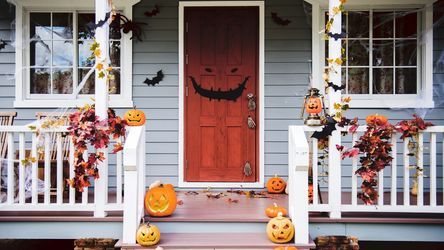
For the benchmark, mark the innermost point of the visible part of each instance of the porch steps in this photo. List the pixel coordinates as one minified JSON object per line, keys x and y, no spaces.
{"x":246,"y":241}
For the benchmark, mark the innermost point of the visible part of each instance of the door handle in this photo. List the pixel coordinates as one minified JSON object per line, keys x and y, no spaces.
{"x":251,"y":102}
{"x":251,"y":123}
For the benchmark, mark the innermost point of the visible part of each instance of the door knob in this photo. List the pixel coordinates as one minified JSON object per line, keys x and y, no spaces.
{"x":251,"y":102}
{"x":251,"y":123}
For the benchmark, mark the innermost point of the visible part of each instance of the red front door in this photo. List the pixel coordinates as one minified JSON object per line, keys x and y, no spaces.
{"x":221,"y":48}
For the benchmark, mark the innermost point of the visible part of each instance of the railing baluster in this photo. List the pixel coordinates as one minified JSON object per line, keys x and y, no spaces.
{"x":35,"y":179}
{"x":21,"y":168}
{"x":119,"y":167}
{"x":420,"y":170}
{"x":11,"y":179}
{"x":432,"y":169}
{"x":354,"y":178}
{"x":72,"y":191}
{"x":60,"y":181}
{"x":85,"y":190}
{"x":47,"y":159}
{"x":394,"y":191}
{"x":315,"y":170}
{"x":406,"y":173}
{"x":381,"y":187}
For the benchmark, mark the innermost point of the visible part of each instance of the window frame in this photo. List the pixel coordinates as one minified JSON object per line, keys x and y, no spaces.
{"x":424,"y":96}
{"x":23,"y":96}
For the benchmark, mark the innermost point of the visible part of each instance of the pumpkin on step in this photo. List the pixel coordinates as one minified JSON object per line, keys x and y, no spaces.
{"x":285,"y":248}
{"x":276,"y":185}
{"x":135,"y":117}
{"x":273,"y":211}
{"x":147,"y":235}
{"x":161,"y":200}
{"x":280,"y":229}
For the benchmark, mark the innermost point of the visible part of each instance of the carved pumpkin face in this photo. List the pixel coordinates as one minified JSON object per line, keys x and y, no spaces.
{"x":313,"y":105}
{"x":160,"y":201}
{"x":376,"y":119}
{"x":276,"y":185}
{"x":135,"y":117}
{"x":273,"y":211}
{"x":280,"y":229}
{"x":310,"y":193}
{"x":147,"y":235}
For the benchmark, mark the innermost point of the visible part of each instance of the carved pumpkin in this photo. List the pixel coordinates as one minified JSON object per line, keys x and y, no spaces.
{"x":285,"y":248}
{"x":273,"y":211}
{"x":147,"y":235}
{"x":310,"y":193}
{"x":376,"y":119}
{"x":276,"y":185}
{"x":280,"y":229}
{"x":135,"y":117}
{"x":313,"y":105}
{"x":161,"y":201}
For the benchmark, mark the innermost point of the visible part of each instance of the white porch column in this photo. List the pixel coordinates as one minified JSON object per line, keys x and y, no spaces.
{"x":101,"y":96}
{"x":334,"y":160}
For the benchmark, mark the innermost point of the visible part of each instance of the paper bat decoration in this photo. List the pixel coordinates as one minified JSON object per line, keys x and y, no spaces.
{"x":153,"y":12}
{"x":93,"y":26}
{"x":158,"y":78}
{"x":326,"y":130}
{"x":122,"y":22}
{"x":2,"y":44}
{"x":279,"y":20}
{"x":230,"y":95}
{"x":336,"y":87}
{"x":336,"y":36}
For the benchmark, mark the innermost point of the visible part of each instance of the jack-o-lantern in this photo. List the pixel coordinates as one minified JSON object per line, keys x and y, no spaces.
{"x":376,"y":119}
{"x":147,"y":235}
{"x":313,"y":105}
{"x":273,"y":211}
{"x":310,"y":193}
{"x":161,"y":200}
{"x":285,"y":248}
{"x":276,"y":185}
{"x":135,"y":117}
{"x":280,"y":229}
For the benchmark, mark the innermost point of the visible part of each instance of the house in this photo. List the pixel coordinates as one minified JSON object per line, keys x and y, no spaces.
{"x":195,"y":139}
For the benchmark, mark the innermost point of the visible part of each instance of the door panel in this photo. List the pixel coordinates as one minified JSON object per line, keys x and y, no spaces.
{"x":221,"y":45}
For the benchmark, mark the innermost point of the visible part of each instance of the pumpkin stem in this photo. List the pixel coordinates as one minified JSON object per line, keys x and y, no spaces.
{"x":275,"y":175}
{"x":275,"y":205}
{"x":279,"y":215}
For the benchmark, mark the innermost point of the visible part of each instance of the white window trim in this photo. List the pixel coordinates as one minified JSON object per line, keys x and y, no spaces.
{"x":261,"y":182}
{"x":424,"y":98}
{"x":124,"y":99}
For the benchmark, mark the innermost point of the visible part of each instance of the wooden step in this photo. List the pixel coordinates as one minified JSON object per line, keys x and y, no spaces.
{"x":215,"y":241}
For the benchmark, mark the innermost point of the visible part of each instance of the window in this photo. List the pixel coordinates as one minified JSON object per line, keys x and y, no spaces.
{"x":384,"y":51}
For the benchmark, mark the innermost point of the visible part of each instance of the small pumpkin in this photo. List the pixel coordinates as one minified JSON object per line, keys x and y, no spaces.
{"x":135,"y":117}
{"x":376,"y":119}
{"x":313,"y":105}
{"x":276,"y":185}
{"x":280,"y":229}
{"x":147,"y":235}
{"x":273,"y":211}
{"x":310,"y":193}
{"x":161,"y":200}
{"x":285,"y":248}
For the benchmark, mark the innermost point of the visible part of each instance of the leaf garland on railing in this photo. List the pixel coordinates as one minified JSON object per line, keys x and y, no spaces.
{"x":86,"y":130}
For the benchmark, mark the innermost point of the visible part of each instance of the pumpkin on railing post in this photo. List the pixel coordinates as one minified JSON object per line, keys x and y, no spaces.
{"x":135,"y":117}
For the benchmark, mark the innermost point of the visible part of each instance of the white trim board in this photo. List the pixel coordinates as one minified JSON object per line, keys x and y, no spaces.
{"x":261,"y":122}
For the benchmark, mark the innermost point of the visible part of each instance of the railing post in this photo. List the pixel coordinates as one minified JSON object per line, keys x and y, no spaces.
{"x":298,"y":160}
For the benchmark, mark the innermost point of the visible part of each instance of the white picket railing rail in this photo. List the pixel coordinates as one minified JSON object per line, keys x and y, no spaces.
{"x":398,"y":197}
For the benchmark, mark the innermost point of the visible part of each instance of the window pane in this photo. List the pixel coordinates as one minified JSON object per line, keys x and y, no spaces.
{"x":84,"y":31}
{"x":382,"y":24}
{"x":40,"y":81}
{"x":85,"y":54}
{"x":406,"y":81}
{"x":358,"y":80}
{"x":62,"y":25}
{"x":40,"y":26}
{"x":383,"y":53}
{"x":358,"y":24}
{"x":114,"y":53}
{"x":62,"y":81}
{"x":358,"y":52}
{"x":89,"y":85}
{"x":62,"y":53}
{"x":406,"y":24}
{"x":114,"y":84}
{"x":382,"y":81}
{"x":40,"y":53}
{"x":406,"y":53}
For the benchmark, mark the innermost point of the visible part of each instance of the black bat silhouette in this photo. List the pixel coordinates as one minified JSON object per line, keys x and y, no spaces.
{"x":93,"y":26}
{"x":336,"y":87}
{"x":2,"y":44}
{"x":231,"y":94}
{"x":279,"y":20}
{"x":153,"y":12}
{"x":336,"y":36}
{"x":326,"y":130}
{"x":122,"y":22}
{"x":158,"y":78}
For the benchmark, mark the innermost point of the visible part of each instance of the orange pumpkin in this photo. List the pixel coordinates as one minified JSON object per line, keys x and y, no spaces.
{"x":280,"y":229}
{"x":147,"y":235}
{"x":313,"y":105}
{"x":376,"y":119}
{"x":160,"y":201}
{"x":310,"y":193}
{"x":135,"y":117}
{"x":285,"y":248}
{"x":273,"y":211}
{"x":276,"y":185}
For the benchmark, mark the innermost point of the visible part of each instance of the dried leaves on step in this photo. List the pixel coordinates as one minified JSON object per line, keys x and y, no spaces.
{"x":215,"y":195}
{"x":191,"y":193}
{"x":232,"y":200}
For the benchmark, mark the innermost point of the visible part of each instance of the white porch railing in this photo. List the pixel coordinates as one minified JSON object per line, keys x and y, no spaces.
{"x":394,"y":183}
